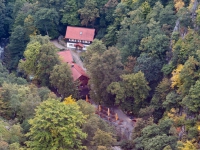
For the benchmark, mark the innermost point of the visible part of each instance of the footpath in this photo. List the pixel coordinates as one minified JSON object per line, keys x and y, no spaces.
{"x":123,"y":124}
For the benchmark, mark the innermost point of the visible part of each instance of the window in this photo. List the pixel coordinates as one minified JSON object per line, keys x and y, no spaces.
{"x":71,"y":44}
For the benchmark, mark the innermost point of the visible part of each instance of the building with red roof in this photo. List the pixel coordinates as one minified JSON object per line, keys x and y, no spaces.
{"x":78,"y":73}
{"x":78,"y":37}
{"x":66,"y":56}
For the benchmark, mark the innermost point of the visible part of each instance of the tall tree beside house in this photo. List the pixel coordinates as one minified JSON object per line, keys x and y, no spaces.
{"x":89,"y":13}
{"x":47,"y":59}
{"x":47,"y":20}
{"x":40,"y":58}
{"x":61,"y":79}
{"x":103,"y":70}
{"x":98,"y":47}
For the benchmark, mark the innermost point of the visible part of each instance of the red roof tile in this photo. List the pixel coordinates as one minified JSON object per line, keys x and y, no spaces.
{"x":66,"y":56}
{"x":80,"y":33}
{"x":77,"y":71}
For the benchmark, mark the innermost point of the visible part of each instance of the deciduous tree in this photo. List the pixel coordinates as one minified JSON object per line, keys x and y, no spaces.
{"x":56,"y":126}
{"x":16,"y":47}
{"x":89,"y":13}
{"x":40,"y":58}
{"x":61,"y":79}
{"x":131,"y":92}
{"x":191,"y":101}
{"x":2,"y":18}
{"x":103,"y":70}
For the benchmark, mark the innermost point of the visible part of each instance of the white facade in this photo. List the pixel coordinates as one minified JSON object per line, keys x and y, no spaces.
{"x":71,"y":45}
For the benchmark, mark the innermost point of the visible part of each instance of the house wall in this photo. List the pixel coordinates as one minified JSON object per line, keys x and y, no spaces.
{"x":71,"y":42}
{"x":83,"y":80}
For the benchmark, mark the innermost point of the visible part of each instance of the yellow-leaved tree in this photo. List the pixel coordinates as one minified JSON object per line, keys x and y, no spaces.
{"x":178,"y":4}
{"x":69,"y":100}
{"x":176,"y":76}
{"x":188,"y":145}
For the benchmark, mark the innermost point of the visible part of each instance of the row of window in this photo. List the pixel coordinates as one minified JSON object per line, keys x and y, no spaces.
{"x":82,"y":41}
{"x":73,"y":45}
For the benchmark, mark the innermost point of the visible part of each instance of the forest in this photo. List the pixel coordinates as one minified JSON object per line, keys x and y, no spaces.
{"x":145,"y":60}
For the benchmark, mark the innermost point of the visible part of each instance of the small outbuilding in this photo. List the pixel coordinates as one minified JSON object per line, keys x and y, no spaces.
{"x":78,"y":73}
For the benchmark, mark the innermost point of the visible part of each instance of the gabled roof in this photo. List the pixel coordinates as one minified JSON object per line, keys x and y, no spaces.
{"x":76,"y":70}
{"x":79,"y":33}
{"x":66,"y":56}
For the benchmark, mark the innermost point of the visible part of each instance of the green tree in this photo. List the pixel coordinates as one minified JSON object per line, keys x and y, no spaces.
{"x":156,"y":136}
{"x":93,"y":123}
{"x":29,"y":26}
{"x":102,"y":138}
{"x":46,"y":60}
{"x":129,"y":39}
{"x":188,"y":75}
{"x":186,"y":47}
{"x":89,"y":13}
{"x":111,"y":37}
{"x":173,"y":99}
{"x":21,"y":99}
{"x":61,"y":79}
{"x":160,"y":93}
{"x":40,"y":58}
{"x":16,"y":47}
{"x":8,"y":20}
{"x":46,"y":20}
{"x":98,"y":47}
{"x":156,"y":45}
{"x":10,"y":133}
{"x":131,"y":92}
{"x":56,"y":126}
{"x":70,"y":13}
{"x":5,"y":76}
{"x":2,"y":18}
{"x":167,"y":16}
{"x":191,"y":101}
{"x":103,"y":70}
{"x":151,"y":67}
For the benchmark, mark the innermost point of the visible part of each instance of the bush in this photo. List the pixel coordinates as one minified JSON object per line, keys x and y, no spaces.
{"x":193,"y":133}
{"x":167,"y":68}
{"x":127,"y":145}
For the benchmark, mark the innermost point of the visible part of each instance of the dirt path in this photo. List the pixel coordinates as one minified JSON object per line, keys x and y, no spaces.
{"x":127,"y":125}
{"x":75,"y":54}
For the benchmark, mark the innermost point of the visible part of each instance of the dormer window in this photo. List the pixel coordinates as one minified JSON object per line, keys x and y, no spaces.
{"x":81,"y":33}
